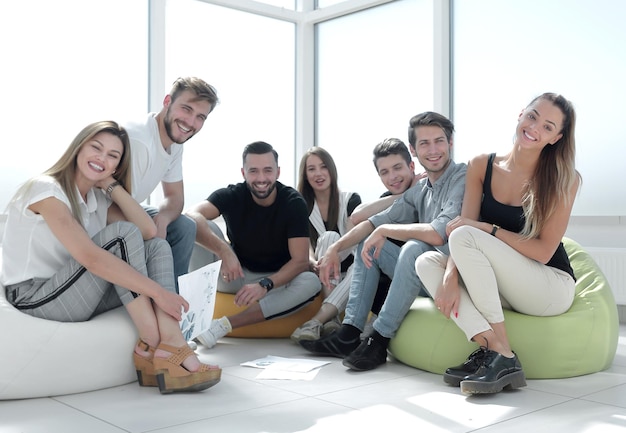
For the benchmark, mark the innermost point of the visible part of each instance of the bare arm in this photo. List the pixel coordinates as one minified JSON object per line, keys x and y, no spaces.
{"x":299,"y":262}
{"x":231,"y":268}
{"x":99,"y":261}
{"x":171,"y":206}
{"x":330,"y":264}
{"x":365,"y":210}
{"x":126,"y":208}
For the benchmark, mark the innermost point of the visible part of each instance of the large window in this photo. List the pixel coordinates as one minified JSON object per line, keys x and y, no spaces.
{"x":375,"y":71}
{"x":250,"y":60}
{"x":62,"y":71}
{"x":506,"y":53}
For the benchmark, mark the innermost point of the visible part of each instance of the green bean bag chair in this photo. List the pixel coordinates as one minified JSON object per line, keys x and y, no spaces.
{"x":581,"y":341}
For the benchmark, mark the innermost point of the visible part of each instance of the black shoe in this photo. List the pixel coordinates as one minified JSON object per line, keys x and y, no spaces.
{"x":496,"y":373}
{"x":330,"y":345}
{"x":455,"y":375}
{"x":369,"y":355}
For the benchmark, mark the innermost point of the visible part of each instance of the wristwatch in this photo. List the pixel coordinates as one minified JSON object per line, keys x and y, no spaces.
{"x":266,"y":283}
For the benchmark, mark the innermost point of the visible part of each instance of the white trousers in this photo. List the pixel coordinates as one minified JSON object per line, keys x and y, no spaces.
{"x":494,"y":276}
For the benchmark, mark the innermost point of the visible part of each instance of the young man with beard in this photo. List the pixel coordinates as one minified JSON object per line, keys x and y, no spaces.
{"x":266,"y":262}
{"x":157,"y":151}
{"x":418,"y":218}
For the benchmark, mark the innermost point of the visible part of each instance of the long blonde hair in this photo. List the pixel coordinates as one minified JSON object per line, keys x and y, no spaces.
{"x":64,"y":170}
{"x":555,"y":173}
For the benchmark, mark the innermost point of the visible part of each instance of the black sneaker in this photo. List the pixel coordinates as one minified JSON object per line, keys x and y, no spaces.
{"x":496,"y":373}
{"x":455,"y":375}
{"x":369,"y":355}
{"x":330,"y":345}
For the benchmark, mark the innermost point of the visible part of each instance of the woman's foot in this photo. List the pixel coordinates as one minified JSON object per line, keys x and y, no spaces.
{"x":178,"y":369}
{"x":310,"y":330}
{"x":142,"y":357}
{"x":495,"y":373}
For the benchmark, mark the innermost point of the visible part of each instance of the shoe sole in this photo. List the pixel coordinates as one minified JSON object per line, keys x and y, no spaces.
{"x":191,"y":383}
{"x":146,"y":379}
{"x":509,"y":381}
{"x":356,"y":367}
{"x":452,"y":380}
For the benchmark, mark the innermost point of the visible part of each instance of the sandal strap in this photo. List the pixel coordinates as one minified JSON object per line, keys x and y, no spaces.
{"x":178,"y":354}
{"x":145,"y":346}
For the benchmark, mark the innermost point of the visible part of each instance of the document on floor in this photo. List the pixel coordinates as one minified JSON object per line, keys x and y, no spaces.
{"x":276,"y":367}
{"x":198,"y":288}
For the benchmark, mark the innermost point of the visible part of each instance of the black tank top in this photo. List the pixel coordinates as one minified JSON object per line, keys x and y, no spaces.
{"x":512,"y":218}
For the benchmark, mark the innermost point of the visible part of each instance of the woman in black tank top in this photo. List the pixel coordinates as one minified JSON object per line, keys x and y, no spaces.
{"x":506,"y":245}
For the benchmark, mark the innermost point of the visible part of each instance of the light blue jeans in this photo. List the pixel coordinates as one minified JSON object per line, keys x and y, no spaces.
{"x":397,"y":263}
{"x":181,"y":235}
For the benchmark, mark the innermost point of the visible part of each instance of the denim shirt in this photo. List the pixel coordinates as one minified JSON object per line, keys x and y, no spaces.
{"x":436,"y":204}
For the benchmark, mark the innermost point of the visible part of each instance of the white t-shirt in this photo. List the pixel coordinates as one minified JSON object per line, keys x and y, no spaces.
{"x":151,"y":164}
{"x":29,"y":248}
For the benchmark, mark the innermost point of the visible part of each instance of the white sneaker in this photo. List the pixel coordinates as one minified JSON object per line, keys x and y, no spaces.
{"x":218,"y":329}
{"x":192,"y":345}
{"x":308,"y":331}
{"x":331,"y":326}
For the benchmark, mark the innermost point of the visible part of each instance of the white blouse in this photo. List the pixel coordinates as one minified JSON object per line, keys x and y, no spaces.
{"x":29,"y":248}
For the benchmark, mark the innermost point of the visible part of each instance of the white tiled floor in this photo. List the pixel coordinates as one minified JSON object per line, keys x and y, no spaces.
{"x":393,"y":398}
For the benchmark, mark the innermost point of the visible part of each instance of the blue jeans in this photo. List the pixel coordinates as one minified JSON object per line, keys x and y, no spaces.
{"x":181,"y":235}
{"x":397,"y":263}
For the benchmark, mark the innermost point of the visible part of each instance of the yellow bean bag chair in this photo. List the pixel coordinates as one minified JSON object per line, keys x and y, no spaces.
{"x":225,"y":306}
{"x":581,"y":341}
{"x":277,"y":328}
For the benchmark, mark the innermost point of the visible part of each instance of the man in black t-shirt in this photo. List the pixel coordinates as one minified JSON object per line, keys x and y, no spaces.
{"x":266,"y":262}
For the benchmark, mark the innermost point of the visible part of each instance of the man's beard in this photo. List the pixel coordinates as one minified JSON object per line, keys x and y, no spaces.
{"x":265,"y":195}
{"x":167,"y":122}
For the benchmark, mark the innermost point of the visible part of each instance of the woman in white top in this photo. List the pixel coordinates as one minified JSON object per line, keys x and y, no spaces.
{"x":329,"y":212}
{"x":77,"y":244}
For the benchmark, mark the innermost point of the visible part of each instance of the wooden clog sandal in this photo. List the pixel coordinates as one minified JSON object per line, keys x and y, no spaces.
{"x":144,"y":365}
{"x":173,"y":377}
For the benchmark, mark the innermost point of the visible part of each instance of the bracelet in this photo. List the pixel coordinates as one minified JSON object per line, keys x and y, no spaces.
{"x":494,"y":230}
{"x":110,"y":188}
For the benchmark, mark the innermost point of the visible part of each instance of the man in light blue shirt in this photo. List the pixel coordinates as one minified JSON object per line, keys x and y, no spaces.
{"x":419,"y":218}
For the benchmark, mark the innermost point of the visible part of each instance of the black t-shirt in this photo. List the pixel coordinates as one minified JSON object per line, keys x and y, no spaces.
{"x":259,"y":235}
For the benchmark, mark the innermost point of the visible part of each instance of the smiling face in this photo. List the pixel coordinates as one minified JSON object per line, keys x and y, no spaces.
{"x":184,"y":117}
{"x":539,"y":125}
{"x":395,"y":173}
{"x":261,"y":173}
{"x":432,"y":150}
{"x":99,"y":157}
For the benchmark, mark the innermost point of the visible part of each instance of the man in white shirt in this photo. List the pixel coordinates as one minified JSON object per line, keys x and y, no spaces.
{"x":157,"y":150}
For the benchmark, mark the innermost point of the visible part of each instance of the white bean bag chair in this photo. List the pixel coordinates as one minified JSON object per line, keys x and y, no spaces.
{"x":41,"y":358}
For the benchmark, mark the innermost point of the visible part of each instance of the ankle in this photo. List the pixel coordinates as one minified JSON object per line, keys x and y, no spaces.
{"x":383,"y":341}
{"x":348,"y":333}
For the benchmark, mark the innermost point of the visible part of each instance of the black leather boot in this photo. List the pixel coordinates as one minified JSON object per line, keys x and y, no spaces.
{"x":455,"y":375}
{"x":496,"y":373}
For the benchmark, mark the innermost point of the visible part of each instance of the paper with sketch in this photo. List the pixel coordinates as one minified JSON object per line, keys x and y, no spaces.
{"x":199,"y":288}
{"x":276,"y":367}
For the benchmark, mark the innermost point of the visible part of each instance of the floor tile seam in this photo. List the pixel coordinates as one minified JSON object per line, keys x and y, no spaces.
{"x":88,"y":414}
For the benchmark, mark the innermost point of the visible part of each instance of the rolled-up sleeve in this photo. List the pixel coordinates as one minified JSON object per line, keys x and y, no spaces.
{"x":450,"y":207}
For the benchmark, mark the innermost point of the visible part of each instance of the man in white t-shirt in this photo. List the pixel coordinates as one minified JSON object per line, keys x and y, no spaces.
{"x":157,"y":151}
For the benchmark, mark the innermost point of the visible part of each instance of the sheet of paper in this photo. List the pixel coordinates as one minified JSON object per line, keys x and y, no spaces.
{"x":275,"y":373}
{"x":199,"y":288}
{"x":276,"y":367}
